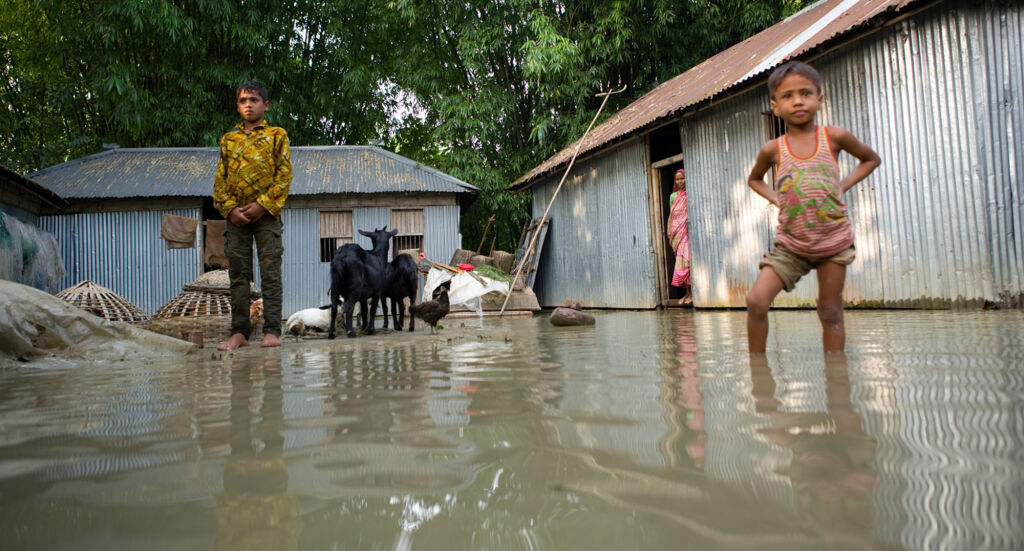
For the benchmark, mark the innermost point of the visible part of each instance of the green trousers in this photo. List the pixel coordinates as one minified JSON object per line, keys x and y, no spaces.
{"x":266,"y":233}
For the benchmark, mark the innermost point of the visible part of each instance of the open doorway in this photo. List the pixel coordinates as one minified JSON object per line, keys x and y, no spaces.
{"x":674,"y":293}
{"x":213,"y":226}
{"x":666,"y":159}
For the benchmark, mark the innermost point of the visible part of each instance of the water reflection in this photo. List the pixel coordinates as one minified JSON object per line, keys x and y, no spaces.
{"x":694,"y":439}
{"x":830,"y":468}
{"x":646,"y":431}
{"x":255,"y":509}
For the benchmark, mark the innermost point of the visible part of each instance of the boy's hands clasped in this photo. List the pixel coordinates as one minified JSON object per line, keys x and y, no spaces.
{"x":241,"y":216}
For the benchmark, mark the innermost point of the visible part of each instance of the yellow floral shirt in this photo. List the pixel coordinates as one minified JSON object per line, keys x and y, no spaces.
{"x":253,"y":167}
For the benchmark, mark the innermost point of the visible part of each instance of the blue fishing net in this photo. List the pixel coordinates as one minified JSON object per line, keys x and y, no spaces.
{"x":29,"y":255}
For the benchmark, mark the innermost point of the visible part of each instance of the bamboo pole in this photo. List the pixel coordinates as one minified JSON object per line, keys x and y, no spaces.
{"x":480,"y":248}
{"x":544,"y":217}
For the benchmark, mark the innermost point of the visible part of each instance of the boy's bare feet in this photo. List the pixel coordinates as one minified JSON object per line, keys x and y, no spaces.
{"x":686,"y":300}
{"x":271,"y":339}
{"x":236,"y":341}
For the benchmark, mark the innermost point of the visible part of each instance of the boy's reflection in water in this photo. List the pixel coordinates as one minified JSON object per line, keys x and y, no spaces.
{"x":830,"y":470}
{"x":255,"y":510}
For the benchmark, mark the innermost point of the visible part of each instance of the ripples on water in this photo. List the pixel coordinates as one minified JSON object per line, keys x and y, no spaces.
{"x":651,"y":430}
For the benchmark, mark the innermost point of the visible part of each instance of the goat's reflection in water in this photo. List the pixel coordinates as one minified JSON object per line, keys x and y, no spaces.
{"x":831,"y":467}
{"x":255,"y":509}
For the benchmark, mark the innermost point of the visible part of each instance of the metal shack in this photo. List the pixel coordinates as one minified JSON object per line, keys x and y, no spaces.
{"x":933,"y":86}
{"x":110,"y":230}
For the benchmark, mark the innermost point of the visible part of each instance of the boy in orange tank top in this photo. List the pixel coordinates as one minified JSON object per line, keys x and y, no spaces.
{"x":814,"y":230}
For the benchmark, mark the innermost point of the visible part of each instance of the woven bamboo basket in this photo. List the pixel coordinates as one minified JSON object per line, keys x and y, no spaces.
{"x":203,"y":305}
{"x":103,"y":302}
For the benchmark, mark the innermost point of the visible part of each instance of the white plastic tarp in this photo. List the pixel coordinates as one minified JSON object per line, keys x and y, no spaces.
{"x":34,"y":323}
{"x":466,"y":289}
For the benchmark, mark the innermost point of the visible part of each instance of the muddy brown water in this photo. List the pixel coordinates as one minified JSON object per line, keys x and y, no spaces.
{"x":650,"y":430}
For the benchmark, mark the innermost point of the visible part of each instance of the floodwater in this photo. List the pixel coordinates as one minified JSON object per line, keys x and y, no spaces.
{"x":650,"y":430}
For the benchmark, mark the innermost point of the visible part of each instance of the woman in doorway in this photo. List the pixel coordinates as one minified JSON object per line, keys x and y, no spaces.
{"x":679,"y":236}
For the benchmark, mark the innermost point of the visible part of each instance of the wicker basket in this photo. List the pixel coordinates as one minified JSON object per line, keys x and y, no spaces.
{"x":104,"y":303}
{"x":203,"y":305}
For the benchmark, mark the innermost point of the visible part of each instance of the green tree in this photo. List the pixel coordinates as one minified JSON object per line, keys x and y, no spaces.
{"x":148,"y":73}
{"x":506,"y":84}
{"x":483,"y":90}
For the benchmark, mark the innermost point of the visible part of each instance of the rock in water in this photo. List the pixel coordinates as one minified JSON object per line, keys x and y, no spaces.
{"x":568,"y":316}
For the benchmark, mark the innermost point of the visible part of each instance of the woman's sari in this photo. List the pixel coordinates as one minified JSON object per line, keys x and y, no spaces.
{"x":679,"y":236}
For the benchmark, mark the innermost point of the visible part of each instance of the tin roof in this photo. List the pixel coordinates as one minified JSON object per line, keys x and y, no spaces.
{"x":189,"y":172}
{"x":9,"y":177}
{"x":795,"y":35}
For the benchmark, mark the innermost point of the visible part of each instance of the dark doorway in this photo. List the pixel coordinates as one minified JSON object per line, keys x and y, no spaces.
{"x":666,"y":175}
{"x":211,"y":225}
{"x":666,"y":153}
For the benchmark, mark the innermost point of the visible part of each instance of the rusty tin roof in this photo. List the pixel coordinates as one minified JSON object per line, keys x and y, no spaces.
{"x":756,"y":55}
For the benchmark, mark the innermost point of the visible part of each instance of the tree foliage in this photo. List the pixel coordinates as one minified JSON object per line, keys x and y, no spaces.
{"x":481,"y":89}
{"x":508,"y":83}
{"x":149,"y":73}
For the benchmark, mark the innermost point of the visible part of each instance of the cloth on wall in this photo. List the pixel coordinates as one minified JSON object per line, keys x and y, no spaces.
{"x":213,"y":250}
{"x":179,"y":231}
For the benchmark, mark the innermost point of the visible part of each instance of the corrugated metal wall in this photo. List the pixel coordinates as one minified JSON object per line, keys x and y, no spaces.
{"x":941,"y":223}
{"x":306,"y":279}
{"x":123,"y":252}
{"x":730,"y":225}
{"x":441,"y":236}
{"x":369,"y":219}
{"x":598,"y":248}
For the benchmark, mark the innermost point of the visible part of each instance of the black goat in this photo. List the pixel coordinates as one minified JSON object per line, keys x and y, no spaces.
{"x":401,"y":278}
{"x":357,"y":275}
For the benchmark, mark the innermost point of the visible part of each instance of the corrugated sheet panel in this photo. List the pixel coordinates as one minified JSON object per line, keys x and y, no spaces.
{"x":189,"y":172}
{"x":598,"y":248}
{"x":941,"y":222}
{"x":795,"y":35}
{"x":441,"y":235}
{"x":123,"y":252}
{"x":730,"y":225}
{"x":369,"y":219}
{"x":306,"y":279}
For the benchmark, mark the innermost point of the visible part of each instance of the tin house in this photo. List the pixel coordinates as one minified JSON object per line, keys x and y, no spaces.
{"x":110,"y":230}
{"x":933,"y":87}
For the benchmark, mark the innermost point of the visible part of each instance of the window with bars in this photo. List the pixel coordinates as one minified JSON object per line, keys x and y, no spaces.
{"x":410,"y":224}
{"x":773,"y":127}
{"x":335,"y":231}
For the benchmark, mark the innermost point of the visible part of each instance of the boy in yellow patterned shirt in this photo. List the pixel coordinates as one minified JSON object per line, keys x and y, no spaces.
{"x":251,"y":185}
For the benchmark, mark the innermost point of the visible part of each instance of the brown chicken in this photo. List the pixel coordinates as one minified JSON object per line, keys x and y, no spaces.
{"x":432,"y":311}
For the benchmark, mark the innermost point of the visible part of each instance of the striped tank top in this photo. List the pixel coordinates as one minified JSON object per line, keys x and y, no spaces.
{"x":813,"y":220}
